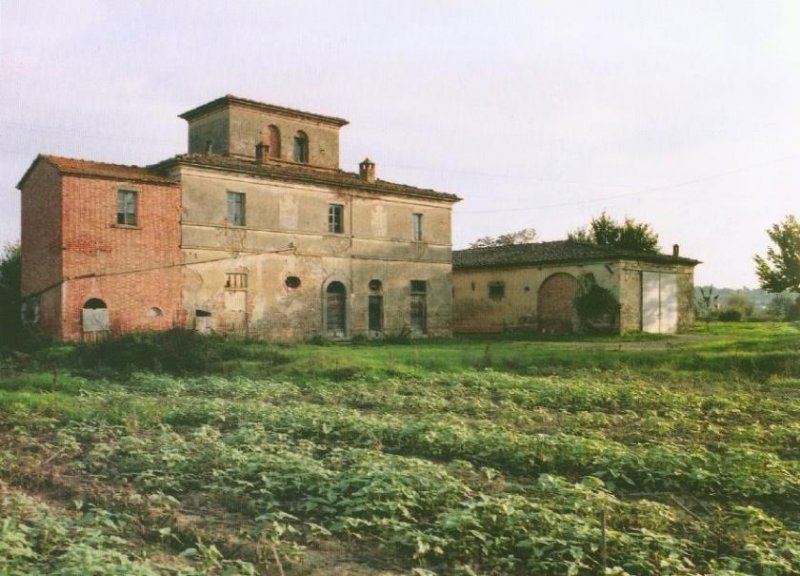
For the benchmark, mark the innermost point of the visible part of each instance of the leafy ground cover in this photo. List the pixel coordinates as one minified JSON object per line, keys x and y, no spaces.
{"x":637,"y":455}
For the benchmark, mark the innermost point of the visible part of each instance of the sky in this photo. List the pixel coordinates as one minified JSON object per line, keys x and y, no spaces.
{"x":539,"y":114}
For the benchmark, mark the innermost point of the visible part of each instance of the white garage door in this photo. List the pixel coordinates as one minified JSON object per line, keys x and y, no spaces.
{"x":659,"y":302}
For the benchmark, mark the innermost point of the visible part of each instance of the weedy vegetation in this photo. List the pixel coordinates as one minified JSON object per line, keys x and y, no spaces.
{"x":176,"y":454}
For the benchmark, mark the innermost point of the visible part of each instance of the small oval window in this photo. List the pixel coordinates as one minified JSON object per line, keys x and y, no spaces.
{"x":375,"y":285}
{"x":293,"y":282}
{"x":155,"y":312}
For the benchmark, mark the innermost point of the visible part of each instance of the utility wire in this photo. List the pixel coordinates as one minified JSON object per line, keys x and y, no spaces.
{"x":634,"y":193}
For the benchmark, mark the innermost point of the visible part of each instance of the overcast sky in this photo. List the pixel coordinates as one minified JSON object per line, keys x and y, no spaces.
{"x":681,"y":114}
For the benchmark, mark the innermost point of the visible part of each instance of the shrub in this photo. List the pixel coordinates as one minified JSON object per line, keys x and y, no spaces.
{"x":730,"y":315}
{"x":597,"y":307}
{"x":176,"y":351}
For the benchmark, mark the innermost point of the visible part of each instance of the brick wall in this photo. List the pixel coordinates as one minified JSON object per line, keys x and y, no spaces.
{"x":134,"y":270}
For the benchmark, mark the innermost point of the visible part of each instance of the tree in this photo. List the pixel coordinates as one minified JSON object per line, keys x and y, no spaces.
{"x":10,"y":299}
{"x":706,"y":306}
{"x":524,"y":236}
{"x":628,"y":235}
{"x":784,"y":307}
{"x":739,"y":303}
{"x":780,"y":269}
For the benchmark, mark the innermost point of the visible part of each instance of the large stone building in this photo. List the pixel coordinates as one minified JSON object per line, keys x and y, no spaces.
{"x":255,"y":231}
{"x":534,"y":286}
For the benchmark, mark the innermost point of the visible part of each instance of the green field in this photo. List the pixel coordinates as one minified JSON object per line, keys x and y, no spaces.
{"x":173,"y":454}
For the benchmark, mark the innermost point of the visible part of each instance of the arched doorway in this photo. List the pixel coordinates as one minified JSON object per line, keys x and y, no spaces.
{"x":335,"y":310}
{"x":555,"y":304}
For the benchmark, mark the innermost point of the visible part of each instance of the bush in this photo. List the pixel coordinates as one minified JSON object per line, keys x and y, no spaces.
{"x":176,"y":351}
{"x":730,"y":315}
{"x":597,"y":307}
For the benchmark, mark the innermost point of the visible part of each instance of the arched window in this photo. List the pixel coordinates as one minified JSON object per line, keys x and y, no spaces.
{"x":94,"y":304}
{"x":301,"y":147}
{"x":335,"y":309}
{"x":274,"y":142}
{"x":95,"y":316}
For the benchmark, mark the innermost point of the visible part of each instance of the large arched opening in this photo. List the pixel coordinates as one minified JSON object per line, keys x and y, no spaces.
{"x":556,"y":303}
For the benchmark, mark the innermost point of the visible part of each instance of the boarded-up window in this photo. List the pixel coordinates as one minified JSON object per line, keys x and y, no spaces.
{"x":274,"y":142}
{"x":659,"y":302}
{"x":418,"y":318}
{"x":376,"y":313}
{"x":416,"y":227}
{"x":335,"y":306}
{"x":94,"y":316}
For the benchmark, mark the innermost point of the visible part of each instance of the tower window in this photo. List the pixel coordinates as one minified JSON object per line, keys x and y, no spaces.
{"x":301,"y":147}
{"x":274,"y":141}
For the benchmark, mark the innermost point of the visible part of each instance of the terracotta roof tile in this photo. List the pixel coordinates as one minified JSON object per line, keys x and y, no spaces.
{"x":79,"y":167}
{"x":281,"y":110}
{"x":298,"y":173}
{"x":562,"y":251}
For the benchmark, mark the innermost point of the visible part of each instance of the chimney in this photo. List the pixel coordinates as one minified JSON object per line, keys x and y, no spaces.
{"x":676,"y":250}
{"x":262,"y":152}
{"x":367,"y":170}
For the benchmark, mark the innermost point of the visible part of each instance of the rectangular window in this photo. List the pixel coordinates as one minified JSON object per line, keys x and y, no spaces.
{"x":236,"y":281}
{"x":416,"y":220}
{"x":376,"y":313}
{"x":236,"y":208}
{"x":335,"y":218}
{"x":126,"y":207}
{"x":419,"y":307}
{"x":497,"y":290}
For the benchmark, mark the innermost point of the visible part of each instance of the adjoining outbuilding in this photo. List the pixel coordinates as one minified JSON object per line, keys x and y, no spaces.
{"x":537,"y":286}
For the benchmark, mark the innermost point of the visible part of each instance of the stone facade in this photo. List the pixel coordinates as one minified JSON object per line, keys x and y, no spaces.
{"x":533,"y":287}
{"x":254,"y":232}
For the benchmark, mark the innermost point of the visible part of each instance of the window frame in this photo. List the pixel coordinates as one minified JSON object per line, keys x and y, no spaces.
{"x":497,"y":290}
{"x":416,"y":226}
{"x":127,"y":207}
{"x":418,"y":307}
{"x":236,"y":208}
{"x":300,"y":147}
{"x":236,"y":281}
{"x":336,"y":218}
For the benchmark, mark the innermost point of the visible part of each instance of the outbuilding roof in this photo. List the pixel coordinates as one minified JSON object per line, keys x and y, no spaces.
{"x":89,"y":168}
{"x":558,"y":252}
{"x":299,"y":173}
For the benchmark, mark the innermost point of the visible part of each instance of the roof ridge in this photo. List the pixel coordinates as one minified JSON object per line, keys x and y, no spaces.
{"x":301,"y":173}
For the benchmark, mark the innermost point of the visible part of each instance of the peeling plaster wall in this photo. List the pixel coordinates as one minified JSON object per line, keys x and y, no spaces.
{"x":286,"y":234}
{"x":475,"y":311}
